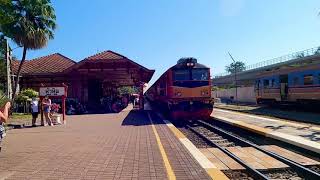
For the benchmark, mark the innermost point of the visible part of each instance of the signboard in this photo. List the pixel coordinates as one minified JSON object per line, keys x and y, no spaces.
{"x":52,"y":91}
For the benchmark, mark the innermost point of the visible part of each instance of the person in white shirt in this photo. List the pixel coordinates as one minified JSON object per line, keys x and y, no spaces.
{"x":34,"y":110}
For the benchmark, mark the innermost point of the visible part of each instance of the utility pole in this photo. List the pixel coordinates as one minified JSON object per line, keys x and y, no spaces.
{"x":235,"y":76}
{"x":8,"y":69}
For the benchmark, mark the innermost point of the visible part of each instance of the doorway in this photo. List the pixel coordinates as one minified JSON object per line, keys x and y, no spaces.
{"x":284,"y":87}
{"x":94,"y":91}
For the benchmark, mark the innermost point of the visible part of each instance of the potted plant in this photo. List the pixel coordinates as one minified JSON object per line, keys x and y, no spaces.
{"x":56,"y":118}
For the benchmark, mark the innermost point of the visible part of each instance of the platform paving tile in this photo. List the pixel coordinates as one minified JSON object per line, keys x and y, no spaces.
{"x":304,"y":130}
{"x":102,"y":146}
{"x":182,"y":162}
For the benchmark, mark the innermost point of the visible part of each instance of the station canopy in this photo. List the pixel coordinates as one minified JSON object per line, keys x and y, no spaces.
{"x":112,"y":67}
{"x":107,"y":66}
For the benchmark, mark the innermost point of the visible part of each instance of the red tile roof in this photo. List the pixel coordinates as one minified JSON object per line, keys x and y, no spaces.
{"x":53,"y":63}
{"x":106,"y":55}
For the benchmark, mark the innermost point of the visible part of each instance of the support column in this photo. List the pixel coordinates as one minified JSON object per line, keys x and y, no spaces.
{"x":141,"y":98}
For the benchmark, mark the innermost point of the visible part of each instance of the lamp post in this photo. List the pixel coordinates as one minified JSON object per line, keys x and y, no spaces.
{"x":235,"y":76}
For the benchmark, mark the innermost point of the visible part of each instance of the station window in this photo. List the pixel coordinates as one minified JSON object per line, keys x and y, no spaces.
{"x":308,"y":79}
{"x":266,"y":82}
{"x":296,"y":81}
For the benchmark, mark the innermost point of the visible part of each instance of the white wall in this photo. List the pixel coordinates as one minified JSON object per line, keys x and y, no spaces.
{"x":245,"y":94}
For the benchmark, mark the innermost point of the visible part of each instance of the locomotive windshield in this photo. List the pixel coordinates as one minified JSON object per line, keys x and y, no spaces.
{"x":191,"y":74}
{"x":200,"y":74}
{"x":181,"y":75}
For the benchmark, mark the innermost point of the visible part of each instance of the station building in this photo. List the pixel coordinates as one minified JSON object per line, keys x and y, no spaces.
{"x":88,"y":80}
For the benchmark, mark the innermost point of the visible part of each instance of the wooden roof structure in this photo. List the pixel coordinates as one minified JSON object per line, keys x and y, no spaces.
{"x":108,"y":66}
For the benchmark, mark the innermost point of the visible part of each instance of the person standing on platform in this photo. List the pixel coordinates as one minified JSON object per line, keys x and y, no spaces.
{"x":46,"y":103}
{"x":4,"y":113}
{"x":34,"y":111}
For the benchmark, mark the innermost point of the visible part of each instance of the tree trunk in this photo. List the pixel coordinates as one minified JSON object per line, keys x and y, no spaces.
{"x":18,"y":73}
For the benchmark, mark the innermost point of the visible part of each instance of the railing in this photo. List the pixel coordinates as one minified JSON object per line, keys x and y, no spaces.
{"x":288,"y":57}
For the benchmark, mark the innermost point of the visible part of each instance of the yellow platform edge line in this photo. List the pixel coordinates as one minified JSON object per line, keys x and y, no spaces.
{"x":165,"y":159}
{"x":250,"y":127}
{"x":272,"y":134}
{"x":177,"y":132}
{"x":214,"y":173}
{"x":281,"y":120}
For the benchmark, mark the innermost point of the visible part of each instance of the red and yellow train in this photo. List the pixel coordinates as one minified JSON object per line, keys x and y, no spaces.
{"x":184,"y":90}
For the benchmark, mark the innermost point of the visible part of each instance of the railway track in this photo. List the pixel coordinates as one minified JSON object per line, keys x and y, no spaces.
{"x":223,"y":140}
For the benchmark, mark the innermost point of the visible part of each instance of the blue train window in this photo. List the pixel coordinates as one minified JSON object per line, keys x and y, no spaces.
{"x":308,"y":79}
{"x":296,"y":80}
{"x":273,"y":83}
{"x":266,"y":82}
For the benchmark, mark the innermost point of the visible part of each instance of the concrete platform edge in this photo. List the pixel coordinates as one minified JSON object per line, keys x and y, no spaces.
{"x":204,"y":162}
{"x":294,"y":140}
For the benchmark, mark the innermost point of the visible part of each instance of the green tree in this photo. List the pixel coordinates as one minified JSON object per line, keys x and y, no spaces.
{"x":25,"y":95}
{"x":29,"y":23}
{"x":300,"y":55}
{"x":127,"y":90}
{"x":317,"y":52}
{"x":237,"y":66}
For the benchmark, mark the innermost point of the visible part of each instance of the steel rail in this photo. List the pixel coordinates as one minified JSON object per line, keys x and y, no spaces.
{"x":255,"y":173}
{"x":300,"y":169}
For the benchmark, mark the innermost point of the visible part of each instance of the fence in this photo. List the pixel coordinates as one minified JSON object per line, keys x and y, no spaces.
{"x":244,"y":94}
{"x":288,"y":57}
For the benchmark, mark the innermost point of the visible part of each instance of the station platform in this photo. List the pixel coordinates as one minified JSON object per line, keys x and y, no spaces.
{"x":131,"y":144}
{"x":303,"y":135}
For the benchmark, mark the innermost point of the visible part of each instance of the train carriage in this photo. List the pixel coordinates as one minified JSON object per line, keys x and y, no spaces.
{"x":184,"y":90}
{"x":294,"y":84}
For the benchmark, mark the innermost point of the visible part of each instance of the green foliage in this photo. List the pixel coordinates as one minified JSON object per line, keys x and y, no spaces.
{"x":25,"y":95}
{"x":127,"y":90}
{"x":237,"y":66}
{"x":29,"y":23}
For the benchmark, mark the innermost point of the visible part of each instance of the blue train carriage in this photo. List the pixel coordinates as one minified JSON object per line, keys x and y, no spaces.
{"x":293,"y":84}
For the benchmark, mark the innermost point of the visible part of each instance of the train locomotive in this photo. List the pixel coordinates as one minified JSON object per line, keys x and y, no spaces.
{"x":298,"y":84}
{"x":183,"y":91}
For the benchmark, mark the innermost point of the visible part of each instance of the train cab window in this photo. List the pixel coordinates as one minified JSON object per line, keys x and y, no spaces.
{"x":318,"y":78}
{"x":266,"y":83}
{"x":308,"y":79}
{"x":296,"y":81}
{"x":200,"y":74}
{"x":181,"y":75}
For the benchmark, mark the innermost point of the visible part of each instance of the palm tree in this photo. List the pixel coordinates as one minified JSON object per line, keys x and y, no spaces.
{"x":29,"y":23}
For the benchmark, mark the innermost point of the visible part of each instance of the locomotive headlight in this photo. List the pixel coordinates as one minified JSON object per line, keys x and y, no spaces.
{"x":178,"y":93}
{"x":203,"y":93}
{"x":190,"y":64}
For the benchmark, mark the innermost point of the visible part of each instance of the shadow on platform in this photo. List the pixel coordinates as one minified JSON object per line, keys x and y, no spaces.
{"x":141,"y":118}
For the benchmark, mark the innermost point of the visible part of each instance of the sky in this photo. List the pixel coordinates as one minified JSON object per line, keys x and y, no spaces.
{"x":156,"y":34}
